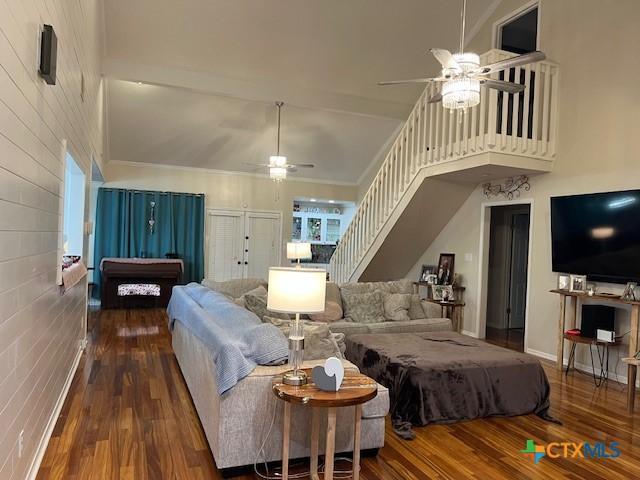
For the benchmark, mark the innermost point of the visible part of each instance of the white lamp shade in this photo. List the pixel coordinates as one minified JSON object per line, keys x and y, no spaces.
{"x":296,"y":290}
{"x":298,"y":250}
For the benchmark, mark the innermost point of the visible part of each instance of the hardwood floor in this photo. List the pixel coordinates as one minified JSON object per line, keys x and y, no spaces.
{"x":129,"y":415}
{"x":511,"y":338}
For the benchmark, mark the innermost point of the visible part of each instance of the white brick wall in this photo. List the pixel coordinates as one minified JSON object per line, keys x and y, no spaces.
{"x":39,"y":328}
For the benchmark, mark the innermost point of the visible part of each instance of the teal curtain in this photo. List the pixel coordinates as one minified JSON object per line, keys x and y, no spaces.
{"x":122,"y":228}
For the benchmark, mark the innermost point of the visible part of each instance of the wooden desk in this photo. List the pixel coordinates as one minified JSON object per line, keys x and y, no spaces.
{"x":356,"y":389}
{"x":453,"y":310}
{"x":632,"y":366}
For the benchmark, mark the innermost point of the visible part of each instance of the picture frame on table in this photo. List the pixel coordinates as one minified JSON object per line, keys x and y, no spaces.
{"x":427,"y":273}
{"x":578,"y":283}
{"x":564,"y":280}
{"x":445,"y":268}
{"x":443,"y":293}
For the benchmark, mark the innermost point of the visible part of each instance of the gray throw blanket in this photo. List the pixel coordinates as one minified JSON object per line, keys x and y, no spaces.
{"x":444,"y":377}
{"x":237,"y":339}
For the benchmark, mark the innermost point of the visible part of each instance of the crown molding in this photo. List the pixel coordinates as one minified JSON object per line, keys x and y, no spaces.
{"x":212,"y":171}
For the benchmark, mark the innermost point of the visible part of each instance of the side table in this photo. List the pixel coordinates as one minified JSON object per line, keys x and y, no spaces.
{"x":355,"y":390}
{"x":453,"y":310}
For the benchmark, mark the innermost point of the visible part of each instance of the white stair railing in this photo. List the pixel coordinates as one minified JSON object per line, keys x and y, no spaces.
{"x":522,"y":124}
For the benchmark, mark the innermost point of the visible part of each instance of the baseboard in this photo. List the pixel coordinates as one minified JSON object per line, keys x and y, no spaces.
{"x":538,"y":353}
{"x":46,"y":436}
{"x":469,"y":333}
{"x":583,"y":367}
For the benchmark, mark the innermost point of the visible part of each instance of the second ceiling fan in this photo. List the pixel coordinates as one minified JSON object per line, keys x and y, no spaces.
{"x":462,"y":75}
{"x":278,"y":166}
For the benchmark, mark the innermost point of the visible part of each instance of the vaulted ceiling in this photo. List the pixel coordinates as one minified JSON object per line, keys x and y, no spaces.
{"x":211,"y":70}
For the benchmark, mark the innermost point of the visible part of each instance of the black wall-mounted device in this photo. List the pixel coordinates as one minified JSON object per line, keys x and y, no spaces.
{"x":596,"y":317}
{"x":48,"y":54}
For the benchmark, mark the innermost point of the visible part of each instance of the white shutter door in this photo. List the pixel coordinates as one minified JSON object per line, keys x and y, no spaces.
{"x":226,"y":235}
{"x":263,"y":244}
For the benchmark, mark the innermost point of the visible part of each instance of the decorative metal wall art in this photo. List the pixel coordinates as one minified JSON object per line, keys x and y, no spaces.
{"x":510,"y":189}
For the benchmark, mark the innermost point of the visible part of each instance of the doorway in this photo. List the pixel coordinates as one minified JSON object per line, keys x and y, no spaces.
{"x":507,"y":275}
{"x":242,"y":244}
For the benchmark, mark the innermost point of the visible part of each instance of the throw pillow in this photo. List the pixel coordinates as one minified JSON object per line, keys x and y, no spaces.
{"x":258,"y":305}
{"x":363,"y":307}
{"x":319,"y":342}
{"x":258,"y":292}
{"x":332,"y":313}
{"x":396,"y":306}
{"x":431,"y":310}
{"x":415,"y":308}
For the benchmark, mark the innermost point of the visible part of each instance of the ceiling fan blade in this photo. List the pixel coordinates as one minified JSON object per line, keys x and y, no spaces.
{"x":508,"y":87}
{"x":291,"y":169}
{"x":511,"y":62}
{"x":445,"y":58}
{"x":436,"y":98}
{"x":412,"y":80}
{"x":302,"y":165}
{"x":258,"y":165}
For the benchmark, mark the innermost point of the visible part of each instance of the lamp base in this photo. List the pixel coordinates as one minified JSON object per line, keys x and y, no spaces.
{"x":294,"y":378}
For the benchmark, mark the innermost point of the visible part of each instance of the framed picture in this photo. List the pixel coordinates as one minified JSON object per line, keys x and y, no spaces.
{"x":445,"y":268}
{"x":563,"y":281}
{"x":427,"y":272}
{"x":578,"y":283}
{"x":443,"y":293}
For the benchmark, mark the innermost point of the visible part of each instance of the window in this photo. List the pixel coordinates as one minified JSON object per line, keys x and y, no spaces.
{"x":519,"y":34}
{"x":73,"y":215}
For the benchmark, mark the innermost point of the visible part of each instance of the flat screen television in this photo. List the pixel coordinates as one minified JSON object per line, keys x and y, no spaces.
{"x":597,"y":235}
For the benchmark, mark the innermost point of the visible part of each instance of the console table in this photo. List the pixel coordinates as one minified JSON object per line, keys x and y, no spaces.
{"x":576,"y":298}
{"x":356,"y":389}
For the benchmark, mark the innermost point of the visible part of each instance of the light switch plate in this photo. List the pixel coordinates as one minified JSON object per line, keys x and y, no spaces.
{"x":468,"y":257}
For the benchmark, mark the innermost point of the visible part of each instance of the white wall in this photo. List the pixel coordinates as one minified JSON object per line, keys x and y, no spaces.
{"x":226,"y":190}
{"x":39,"y":328}
{"x":598,"y":148}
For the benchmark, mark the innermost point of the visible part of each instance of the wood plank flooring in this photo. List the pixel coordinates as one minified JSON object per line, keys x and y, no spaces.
{"x":129,"y":415}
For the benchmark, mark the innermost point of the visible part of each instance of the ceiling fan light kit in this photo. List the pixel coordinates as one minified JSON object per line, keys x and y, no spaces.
{"x":461,"y":93}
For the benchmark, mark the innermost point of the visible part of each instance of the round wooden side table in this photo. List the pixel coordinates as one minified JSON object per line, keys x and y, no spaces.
{"x":355,"y":390}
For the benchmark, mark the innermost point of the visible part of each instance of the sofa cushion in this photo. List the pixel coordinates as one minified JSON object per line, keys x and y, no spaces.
{"x":258,"y":305}
{"x":234,"y":288}
{"x":396,"y":306}
{"x":319,"y":341}
{"x":363,"y":307}
{"x":348,"y":328}
{"x":412,"y":326}
{"x":415,"y":308}
{"x":431,"y":310}
{"x":332,"y":313}
{"x":259,"y":291}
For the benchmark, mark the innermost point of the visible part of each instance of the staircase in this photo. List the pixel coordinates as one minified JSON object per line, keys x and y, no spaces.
{"x":438,"y":159}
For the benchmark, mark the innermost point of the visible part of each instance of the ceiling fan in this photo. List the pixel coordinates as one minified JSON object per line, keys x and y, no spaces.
{"x":462,"y":74}
{"x":278,"y":166}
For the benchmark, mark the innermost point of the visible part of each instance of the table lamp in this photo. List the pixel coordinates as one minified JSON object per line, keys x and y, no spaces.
{"x":296,"y":290}
{"x":298,"y":251}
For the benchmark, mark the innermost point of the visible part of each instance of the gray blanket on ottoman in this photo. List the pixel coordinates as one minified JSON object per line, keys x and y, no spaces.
{"x":443,"y":377}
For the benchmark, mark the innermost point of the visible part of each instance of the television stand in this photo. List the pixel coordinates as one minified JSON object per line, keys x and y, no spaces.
{"x":632,"y":364}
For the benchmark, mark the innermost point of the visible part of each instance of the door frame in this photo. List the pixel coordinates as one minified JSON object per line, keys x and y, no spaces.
{"x":238,"y":212}
{"x":483,"y":264}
